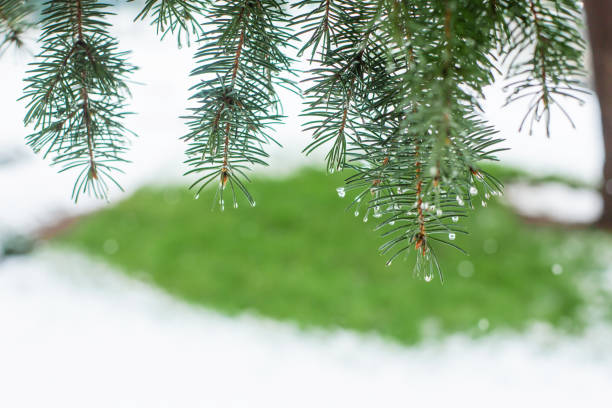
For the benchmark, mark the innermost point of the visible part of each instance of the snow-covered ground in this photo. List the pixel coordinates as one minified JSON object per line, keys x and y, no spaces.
{"x":77,"y":334}
{"x":74,"y":333}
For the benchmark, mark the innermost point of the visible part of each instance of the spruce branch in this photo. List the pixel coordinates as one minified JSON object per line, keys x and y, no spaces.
{"x":545,"y":51}
{"x":14,"y":21}
{"x":239,"y":65}
{"x":76,"y":92}
{"x":179,"y":17}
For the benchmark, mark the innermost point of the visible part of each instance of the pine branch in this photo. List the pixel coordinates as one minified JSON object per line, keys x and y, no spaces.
{"x":545,"y":50}
{"x":14,"y":21}
{"x":241,"y":63}
{"x":76,"y":91}
{"x":178,"y":17}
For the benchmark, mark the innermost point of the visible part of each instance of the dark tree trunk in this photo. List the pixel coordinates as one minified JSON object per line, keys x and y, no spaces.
{"x":599,"y":17}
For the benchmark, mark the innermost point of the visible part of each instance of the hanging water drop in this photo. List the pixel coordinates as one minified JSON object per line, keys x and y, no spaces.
{"x":483,"y":203}
{"x":365,"y":218}
{"x":452,"y":236}
{"x":391,"y":222}
{"x":460,"y":201}
{"x":389,"y":262}
{"x":473,"y":190}
{"x":455,"y":218}
{"x":253,"y":204}
{"x":357,"y":213}
{"x":428,"y":276}
{"x":197,"y":196}
{"x":235,"y":204}
{"x":487,"y":196}
{"x":439,"y":212}
{"x":341,"y":192}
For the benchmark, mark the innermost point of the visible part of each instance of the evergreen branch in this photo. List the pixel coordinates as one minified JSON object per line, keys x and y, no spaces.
{"x":549,"y":34}
{"x":170,"y":16}
{"x":237,"y":97}
{"x":76,"y":91}
{"x":13,"y":22}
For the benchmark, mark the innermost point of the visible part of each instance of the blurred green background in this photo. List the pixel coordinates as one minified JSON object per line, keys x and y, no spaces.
{"x":300,"y":256}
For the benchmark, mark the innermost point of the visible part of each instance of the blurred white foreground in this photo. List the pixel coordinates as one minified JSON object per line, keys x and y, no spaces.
{"x":76,"y":334}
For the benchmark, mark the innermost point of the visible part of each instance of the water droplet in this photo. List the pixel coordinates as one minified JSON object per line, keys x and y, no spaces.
{"x":455,"y":218}
{"x":197,"y":196}
{"x":357,"y":213}
{"x":222,"y":205}
{"x":425,"y":206}
{"x":557,"y":269}
{"x":487,"y":196}
{"x":389,"y":262}
{"x":483,"y":203}
{"x":341,"y":192}
{"x":460,"y":201}
{"x":331,"y":171}
{"x":236,"y":204}
{"x":365,"y":218}
{"x":452,"y":236}
{"x":253,"y":204}
{"x":439,"y":212}
{"x":391,"y":222}
{"x":428,"y":276}
{"x":473,"y":190}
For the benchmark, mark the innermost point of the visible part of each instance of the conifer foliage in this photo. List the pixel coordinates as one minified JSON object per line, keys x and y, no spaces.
{"x":392,"y":91}
{"x":76,"y":91}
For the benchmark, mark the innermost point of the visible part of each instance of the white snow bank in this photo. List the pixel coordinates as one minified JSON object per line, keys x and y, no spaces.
{"x":76,"y":334}
{"x":555,"y":201}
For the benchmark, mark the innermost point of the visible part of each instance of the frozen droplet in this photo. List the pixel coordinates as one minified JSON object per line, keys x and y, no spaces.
{"x":439,"y":212}
{"x":483,"y":203}
{"x":452,"y":236}
{"x":557,"y":269}
{"x":460,"y":201}
{"x":197,"y":196}
{"x":473,"y":190}
{"x":341,"y":192}
{"x":455,"y":218}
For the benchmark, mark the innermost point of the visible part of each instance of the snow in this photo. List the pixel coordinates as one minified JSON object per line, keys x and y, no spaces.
{"x":76,"y":333}
{"x":555,"y":201}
